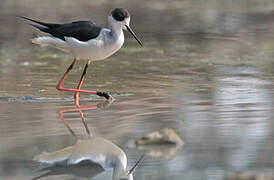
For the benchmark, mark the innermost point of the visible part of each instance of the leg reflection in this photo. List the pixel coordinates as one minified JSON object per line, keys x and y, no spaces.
{"x":70,"y":155}
{"x":98,"y":152}
{"x":79,"y":109}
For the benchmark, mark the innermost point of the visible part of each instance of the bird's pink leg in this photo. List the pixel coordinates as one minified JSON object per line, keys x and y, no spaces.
{"x":76,"y":98}
{"x":59,"y":85}
{"x":76,"y":95}
{"x":76,"y":91}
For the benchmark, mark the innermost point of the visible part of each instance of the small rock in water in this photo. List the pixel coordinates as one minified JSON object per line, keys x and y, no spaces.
{"x":165,"y":136}
{"x":164,"y":151}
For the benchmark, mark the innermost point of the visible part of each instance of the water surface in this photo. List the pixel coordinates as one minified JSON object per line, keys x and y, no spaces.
{"x":206,"y":70}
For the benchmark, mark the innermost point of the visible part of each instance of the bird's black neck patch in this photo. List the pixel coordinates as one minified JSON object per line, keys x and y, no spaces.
{"x":119,"y":14}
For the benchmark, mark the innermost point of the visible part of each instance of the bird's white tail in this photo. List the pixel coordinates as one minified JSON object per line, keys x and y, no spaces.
{"x":51,"y":41}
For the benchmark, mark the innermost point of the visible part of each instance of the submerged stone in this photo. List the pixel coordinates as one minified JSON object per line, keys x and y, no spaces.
{"x":164,"y":151}
{"x":165,"y":136}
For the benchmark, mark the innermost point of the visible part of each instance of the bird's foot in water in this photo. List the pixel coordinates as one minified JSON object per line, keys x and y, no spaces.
{"x":105,"y":95}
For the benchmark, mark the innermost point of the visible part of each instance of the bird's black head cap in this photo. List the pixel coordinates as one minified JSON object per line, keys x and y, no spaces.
{"x":120,"y":14}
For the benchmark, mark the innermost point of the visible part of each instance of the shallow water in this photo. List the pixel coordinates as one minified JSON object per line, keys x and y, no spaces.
{"x":206,"y":70}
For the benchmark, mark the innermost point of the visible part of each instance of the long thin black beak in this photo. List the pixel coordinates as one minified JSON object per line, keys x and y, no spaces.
{"x":133,"y":34}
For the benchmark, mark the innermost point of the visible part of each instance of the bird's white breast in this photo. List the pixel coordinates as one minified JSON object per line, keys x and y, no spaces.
{"x":99,"y":48}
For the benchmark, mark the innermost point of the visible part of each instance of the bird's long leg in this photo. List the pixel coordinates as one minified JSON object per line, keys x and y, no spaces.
{"x":76,"y":91}
{"x":76,"y":98}
{"x":76,"y":95}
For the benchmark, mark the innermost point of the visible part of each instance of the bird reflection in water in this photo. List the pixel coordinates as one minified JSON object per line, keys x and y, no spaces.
{"x":88,"y":156}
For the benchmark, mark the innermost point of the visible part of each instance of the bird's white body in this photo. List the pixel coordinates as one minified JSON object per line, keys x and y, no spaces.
{"x":96,"y":149}
{"x":103,"y":46}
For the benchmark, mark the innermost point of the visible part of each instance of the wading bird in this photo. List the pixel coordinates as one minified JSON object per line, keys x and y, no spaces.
{"x":85,"y":40}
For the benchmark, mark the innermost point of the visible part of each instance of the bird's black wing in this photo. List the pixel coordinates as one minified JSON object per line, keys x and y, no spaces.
{"x":81,"y":30}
